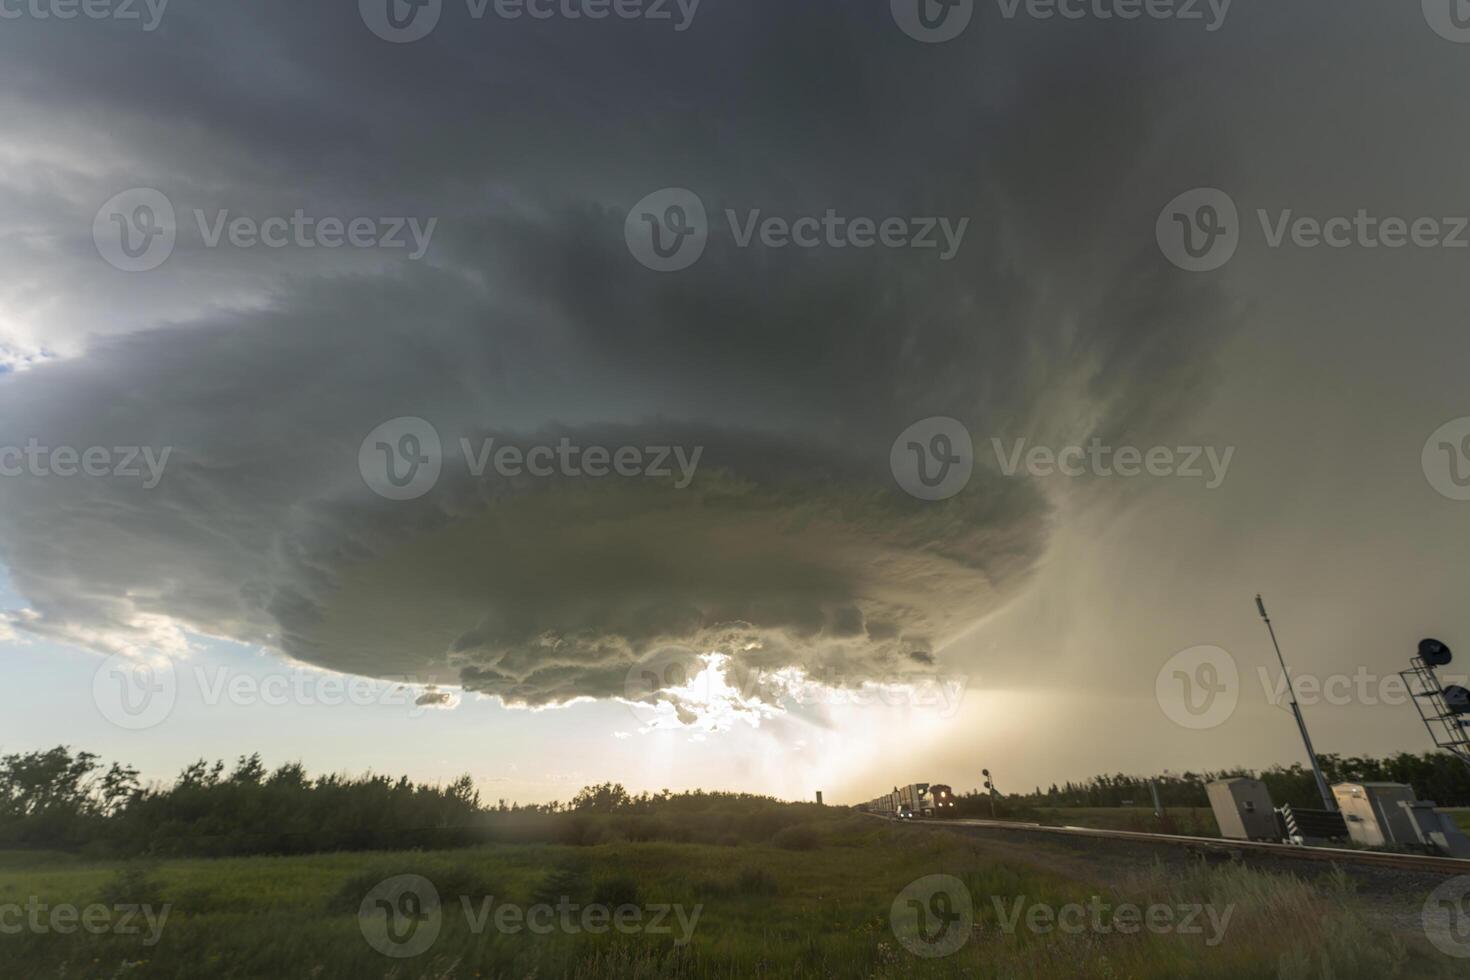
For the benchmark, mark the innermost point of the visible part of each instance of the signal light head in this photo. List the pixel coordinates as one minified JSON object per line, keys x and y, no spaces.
{"x":1434,"y":653}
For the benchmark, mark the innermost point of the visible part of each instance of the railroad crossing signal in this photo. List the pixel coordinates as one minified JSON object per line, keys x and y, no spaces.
{"x":1442,"y":709}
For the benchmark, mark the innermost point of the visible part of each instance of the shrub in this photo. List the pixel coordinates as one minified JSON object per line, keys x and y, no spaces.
{"x":613,"y":892}
{"x":750,"y":882}
{"x":798,"y":837}
{"x":132,"y":885}
{"x":566,"y":882}
{"x":756,"y":881}
{"x":450,"y":883}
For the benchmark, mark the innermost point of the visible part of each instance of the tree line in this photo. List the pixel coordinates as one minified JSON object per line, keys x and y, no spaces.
{"x":1436,"y":776}
{"x":67,"y":800}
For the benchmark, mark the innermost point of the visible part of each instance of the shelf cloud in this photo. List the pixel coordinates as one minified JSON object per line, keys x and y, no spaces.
{"x":529,"y":321}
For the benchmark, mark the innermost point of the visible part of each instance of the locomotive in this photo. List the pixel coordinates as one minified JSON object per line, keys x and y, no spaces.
{"x":913,"y":800}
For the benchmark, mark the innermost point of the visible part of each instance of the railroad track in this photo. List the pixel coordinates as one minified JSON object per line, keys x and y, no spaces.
{"x":1339,"y":855}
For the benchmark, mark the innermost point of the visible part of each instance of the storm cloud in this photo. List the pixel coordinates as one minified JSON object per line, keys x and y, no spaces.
{"x":528,"y":321}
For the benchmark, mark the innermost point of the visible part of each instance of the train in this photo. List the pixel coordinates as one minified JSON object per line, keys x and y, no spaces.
{"x":913,"y":800}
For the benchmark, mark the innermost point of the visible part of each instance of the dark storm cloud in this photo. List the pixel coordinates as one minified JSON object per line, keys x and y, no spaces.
{"x":529,"y":320}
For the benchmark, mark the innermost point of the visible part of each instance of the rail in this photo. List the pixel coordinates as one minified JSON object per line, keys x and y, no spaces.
{"x":1343,"y":855}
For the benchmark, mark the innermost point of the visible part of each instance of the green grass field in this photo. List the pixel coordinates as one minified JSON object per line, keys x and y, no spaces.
{"x":822,"y":909}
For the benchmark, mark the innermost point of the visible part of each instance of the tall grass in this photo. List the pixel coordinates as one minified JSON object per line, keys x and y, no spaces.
{"x":767,"y":911}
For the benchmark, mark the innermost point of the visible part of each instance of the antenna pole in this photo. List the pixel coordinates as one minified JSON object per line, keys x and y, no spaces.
{"x":1327,"y":800}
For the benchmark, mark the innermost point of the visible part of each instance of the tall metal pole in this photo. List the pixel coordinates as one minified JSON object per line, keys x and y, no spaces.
{"x":1327,"y":801}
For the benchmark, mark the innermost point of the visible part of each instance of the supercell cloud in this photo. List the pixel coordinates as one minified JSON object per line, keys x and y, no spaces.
{"x":527,"y":320}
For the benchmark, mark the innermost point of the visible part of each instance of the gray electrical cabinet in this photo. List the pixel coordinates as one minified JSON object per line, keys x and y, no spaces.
{"x":1390,"y":815}
{"x":1437,"y":830}
{"x":1243,"y":809}
{"x":1374,"y":817}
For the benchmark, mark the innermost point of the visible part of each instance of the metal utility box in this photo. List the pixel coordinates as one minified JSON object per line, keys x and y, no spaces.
{"x":1243,"y":809}
{"x":1437,"y":830}
{"x":1374,"y":817}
